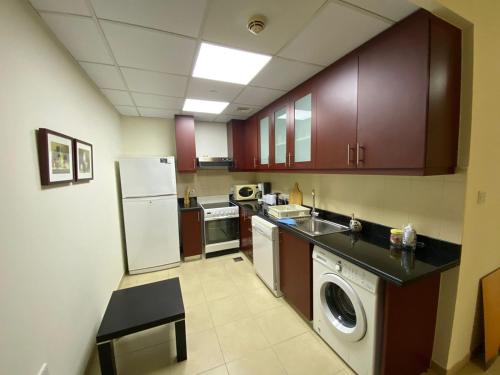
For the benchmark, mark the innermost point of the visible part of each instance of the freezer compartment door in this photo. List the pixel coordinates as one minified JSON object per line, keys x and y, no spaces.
{"x":143,"y":177}
{"x":151,"y":231}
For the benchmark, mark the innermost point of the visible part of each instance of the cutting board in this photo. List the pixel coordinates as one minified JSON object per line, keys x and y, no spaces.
{"x":295,"y":195}
{"x":491,"y":307}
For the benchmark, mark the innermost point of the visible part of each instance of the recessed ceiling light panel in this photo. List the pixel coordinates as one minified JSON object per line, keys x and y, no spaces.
{"x":228,"y":64}
{"x":204,"y":106}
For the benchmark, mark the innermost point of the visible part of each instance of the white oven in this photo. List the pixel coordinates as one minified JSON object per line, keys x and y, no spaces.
{"x":245,"y":192}
{"x":221,"y":226}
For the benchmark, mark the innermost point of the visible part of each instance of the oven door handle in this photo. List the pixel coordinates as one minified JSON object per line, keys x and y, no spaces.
{"x":221,"y":218}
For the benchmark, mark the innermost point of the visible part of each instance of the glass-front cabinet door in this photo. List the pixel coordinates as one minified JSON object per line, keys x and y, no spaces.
{"x":302,"y":131}
{"x":280,"y":137}
{"x":264,"y":142}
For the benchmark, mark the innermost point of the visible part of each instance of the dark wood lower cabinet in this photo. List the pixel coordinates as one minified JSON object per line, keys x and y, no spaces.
{"x":296,"y":272}
{"x":191,"y":232}
{"x":409,"y":324}
{"x":246,"y":243}
{"x":409,"y":312}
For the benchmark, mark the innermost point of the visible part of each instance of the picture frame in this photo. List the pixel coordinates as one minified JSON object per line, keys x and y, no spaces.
{"x":83,"y":160}
{"x":55,"y":157}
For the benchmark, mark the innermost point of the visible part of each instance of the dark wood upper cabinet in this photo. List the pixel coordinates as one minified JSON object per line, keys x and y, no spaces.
{"x":409,"y":97}
{"x":392,"y":101}
{"x":251,"y":144}
{"x":191,"y":232}
{"x":279,"y":140}
{"x":185,"y":143}
{"x":242,"y":144}
{"x":302,"y":127}
{"x":264,"y":157}
{"x":336,"y":90}
{"x":235,"y":143}
{"x":391,"y":106}
{"x":443,"y":110}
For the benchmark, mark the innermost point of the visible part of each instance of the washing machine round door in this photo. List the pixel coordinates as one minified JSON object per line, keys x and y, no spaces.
{"x":342,"y":307}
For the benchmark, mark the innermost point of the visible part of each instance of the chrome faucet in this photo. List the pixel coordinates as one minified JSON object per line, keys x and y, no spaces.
{"x":314,"y":214}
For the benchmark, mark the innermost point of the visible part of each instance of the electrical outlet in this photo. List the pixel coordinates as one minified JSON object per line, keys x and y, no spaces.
{"x":44,"y":370}
{"x":481,"y":197}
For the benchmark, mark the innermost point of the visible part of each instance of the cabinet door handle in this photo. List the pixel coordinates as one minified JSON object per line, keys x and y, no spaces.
{"x":348,"y":154}
{"x":255,"y":161}
{"x":289,"y":159}
{"x":194,"y":163}
{"x":198,"y":216}
{"x":358,"y":152}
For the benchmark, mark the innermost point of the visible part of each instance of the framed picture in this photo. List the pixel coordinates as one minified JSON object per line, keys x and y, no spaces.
{"x":84,"y":160}
{"x":55,"y":157}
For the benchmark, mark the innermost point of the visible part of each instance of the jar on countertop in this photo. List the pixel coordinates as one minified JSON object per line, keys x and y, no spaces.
{"x":396,"y":238}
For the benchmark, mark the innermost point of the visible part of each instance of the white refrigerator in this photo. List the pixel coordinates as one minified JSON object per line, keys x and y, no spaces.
{"x":150,"y":213}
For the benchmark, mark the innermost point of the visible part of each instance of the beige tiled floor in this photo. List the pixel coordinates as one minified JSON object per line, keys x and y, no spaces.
{"x":235,"y":326}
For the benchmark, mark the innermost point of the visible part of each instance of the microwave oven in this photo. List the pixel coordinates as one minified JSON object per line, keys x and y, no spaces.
{"x":245,"y":192}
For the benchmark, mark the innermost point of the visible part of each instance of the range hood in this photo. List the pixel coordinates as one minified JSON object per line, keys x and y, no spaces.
{"x":206,"y":162}
{"x":211,"y":145}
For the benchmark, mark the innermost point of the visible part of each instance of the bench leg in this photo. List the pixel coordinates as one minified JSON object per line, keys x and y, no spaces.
{"x":107,"y":358}
{"x":180,"y":340}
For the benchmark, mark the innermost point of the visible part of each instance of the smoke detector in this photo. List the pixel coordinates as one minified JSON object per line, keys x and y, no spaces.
{"x":256,"y":24}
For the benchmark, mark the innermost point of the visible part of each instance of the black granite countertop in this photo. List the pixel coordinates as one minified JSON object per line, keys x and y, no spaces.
{"x":193,"y":204}
{"x":371,"y":249}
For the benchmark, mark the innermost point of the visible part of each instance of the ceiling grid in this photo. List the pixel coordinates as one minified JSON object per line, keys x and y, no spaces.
{"x":142,"y":54}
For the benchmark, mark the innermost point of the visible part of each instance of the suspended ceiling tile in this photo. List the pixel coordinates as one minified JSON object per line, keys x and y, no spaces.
{"x":207,"y":89}
{"x":155,"y":83}
{"x":157,"y":101}
{"x":127,"y":110}
{"x":66,"y":6}
{"x":80,"y":36}
{"x":258,"y":96}
{"x":105,"y":76}
{"x":203,"y":117}
{"x":118,"y":97}
{"x":335,"y":31}
{"x":149,"y":49}
{"x":227,"y":118}
{"x":392,"y":9}
{"x":177,"y":16}
{"x":284,"y":74}
{"x":226,"y":22}
{"x":157,"y":112}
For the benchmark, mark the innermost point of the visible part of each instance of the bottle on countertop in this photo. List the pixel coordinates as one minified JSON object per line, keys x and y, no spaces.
{"x":409,"y":237}
{"x":355,"y":225}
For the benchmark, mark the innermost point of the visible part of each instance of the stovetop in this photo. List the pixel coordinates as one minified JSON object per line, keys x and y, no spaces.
{"x":217,"y":205}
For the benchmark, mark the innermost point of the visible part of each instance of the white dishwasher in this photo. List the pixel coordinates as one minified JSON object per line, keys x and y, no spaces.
{"x":265,"y":238}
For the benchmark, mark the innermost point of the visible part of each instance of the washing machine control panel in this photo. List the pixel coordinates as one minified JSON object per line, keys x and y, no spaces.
{"x":347,"y":270}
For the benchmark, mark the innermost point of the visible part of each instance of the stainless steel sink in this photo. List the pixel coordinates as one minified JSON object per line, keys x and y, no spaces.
{"x":318,"y":227}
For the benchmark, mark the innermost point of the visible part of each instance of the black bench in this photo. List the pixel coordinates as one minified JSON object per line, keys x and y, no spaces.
{"x":137,"y":309}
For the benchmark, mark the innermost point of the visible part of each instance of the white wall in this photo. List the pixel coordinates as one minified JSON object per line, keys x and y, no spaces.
{"x":211,"y":139}
{"x":144,"y":136}
{"x":60,"y":247}
{"x":147,"y":136}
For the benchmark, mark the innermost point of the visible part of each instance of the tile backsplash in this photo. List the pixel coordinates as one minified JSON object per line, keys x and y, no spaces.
{"x":434,"y":204}
{"x":212,"y":182}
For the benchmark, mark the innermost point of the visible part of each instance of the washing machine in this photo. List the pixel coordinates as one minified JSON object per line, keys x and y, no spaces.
{"x":347,"y":310}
